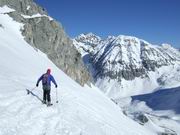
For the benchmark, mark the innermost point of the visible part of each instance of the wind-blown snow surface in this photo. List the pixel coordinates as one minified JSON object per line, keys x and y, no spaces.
{"x":80,"y":111}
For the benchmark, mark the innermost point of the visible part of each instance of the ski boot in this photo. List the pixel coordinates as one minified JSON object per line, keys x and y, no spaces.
{"x":44,"y":102}
{"x":49,"y":104}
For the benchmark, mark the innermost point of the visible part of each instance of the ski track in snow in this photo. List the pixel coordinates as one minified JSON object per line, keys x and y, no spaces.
{"x":26,"y":112}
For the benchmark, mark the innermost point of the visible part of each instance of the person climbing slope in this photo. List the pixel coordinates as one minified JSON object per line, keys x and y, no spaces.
{"x":46,"y":79}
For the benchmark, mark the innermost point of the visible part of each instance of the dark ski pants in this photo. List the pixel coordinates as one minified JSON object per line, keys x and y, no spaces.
{"x":46,"y":93}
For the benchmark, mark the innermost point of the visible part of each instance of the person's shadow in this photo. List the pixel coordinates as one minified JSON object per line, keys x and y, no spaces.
{"x":30,"y":92}
{"x":164,"y":99}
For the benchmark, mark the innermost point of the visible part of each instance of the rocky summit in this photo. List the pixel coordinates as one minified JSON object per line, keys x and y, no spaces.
{"x":47,"y":35}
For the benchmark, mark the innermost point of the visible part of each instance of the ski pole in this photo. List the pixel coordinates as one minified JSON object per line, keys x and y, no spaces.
{"x":56,"y":96}
{"x":30,"y":90}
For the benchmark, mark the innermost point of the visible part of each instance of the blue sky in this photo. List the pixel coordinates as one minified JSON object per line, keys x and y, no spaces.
{"x":156,"y":21}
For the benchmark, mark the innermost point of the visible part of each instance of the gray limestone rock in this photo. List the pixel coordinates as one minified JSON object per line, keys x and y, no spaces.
{"x":27,"y":7}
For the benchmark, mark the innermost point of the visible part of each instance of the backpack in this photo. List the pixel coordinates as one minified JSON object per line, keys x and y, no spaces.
{"x":45,"y":79}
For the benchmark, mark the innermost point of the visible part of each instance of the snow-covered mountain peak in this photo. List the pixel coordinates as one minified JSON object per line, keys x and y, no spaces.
{"x":165,"y":45}
{"x":129,"y":40}
{"x":125,"y":40}
{"x":88,"y":39}
{"x":87,"y":43}
{"x":111,"y":37}
{"x":168,"y":47}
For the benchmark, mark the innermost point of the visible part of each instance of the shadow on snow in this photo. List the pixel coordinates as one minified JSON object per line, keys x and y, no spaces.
{"x":164,"y":99}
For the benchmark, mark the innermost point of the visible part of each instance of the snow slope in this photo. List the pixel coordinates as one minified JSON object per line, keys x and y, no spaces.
{"x":80,"y":111}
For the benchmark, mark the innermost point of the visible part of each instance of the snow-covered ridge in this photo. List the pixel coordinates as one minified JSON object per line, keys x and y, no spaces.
{"x":86,"y":43}
{"x":37,"y":15}
{"x":89,"y":39}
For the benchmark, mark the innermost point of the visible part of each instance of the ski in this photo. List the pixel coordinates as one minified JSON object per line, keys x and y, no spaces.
{"x":48,"y":105}
{"x":33,"y":94}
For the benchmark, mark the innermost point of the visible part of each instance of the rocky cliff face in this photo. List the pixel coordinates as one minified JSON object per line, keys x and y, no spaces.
{"x":47,"y":35}
{"x":27,"y":7}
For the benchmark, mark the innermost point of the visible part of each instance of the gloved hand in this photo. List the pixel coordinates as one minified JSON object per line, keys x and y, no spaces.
{"x":37,"y":85}
{"x":56,"y":86}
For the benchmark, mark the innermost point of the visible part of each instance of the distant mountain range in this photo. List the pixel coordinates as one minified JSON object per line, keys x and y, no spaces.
{"x":125,"y":65}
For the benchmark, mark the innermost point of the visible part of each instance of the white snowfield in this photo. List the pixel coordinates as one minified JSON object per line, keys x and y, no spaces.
{"x":80,"y":111}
